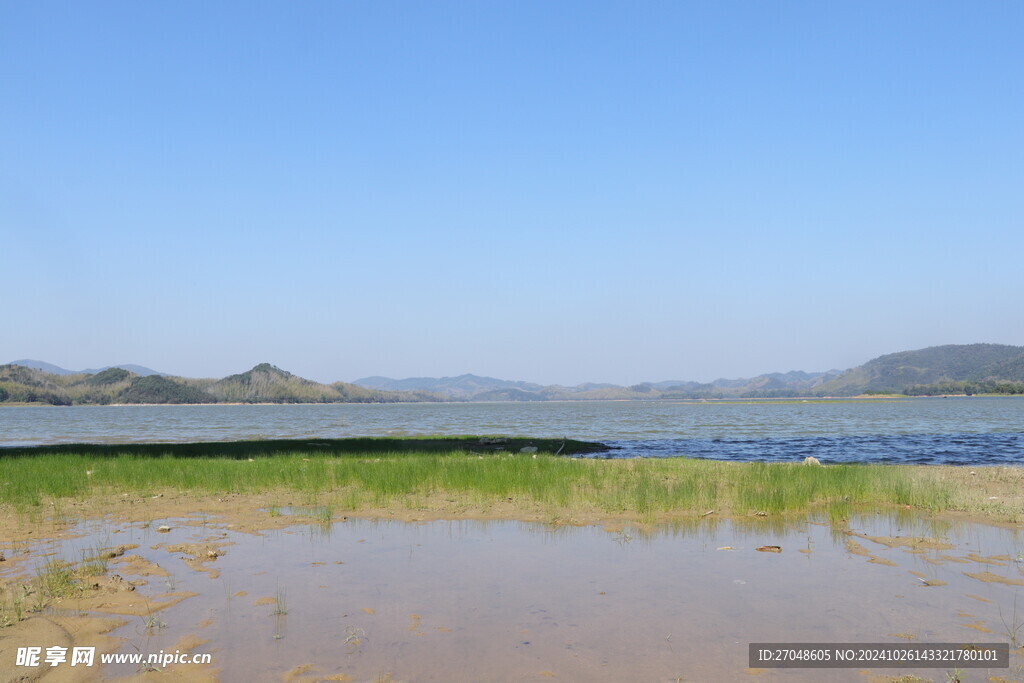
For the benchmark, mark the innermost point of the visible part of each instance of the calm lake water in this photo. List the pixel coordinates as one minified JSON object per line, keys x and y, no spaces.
{"x":508,"y":601}
{"x":924,"y":430}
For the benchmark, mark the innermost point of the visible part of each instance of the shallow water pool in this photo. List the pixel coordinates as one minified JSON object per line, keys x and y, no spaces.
{"x":508,"y":601}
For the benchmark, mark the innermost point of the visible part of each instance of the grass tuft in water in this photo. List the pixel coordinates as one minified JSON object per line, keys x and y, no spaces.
{"x":56,"y":579}
{"x":280,"y":604}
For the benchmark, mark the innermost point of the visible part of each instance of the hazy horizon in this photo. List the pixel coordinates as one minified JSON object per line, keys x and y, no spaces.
{"x":548,"y":192}
{"x":469,"y":372}
{"x":458,"y":374}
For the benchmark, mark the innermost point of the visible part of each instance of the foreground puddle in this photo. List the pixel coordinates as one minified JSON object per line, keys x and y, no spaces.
{"x":507,"y":601}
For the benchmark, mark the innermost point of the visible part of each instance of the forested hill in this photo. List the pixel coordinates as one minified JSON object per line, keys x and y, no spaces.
{"x":950,"y":369}
{"x":263,"y":384}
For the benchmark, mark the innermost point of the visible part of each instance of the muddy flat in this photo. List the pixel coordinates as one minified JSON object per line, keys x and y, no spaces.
{"x":509,"y":601}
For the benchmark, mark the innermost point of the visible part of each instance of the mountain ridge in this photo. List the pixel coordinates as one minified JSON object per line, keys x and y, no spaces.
{"x":264,"y":383}
{"x":950,"y":365}
{"x":481,"y":388}
{"x":948,"y":369}
{"x":140,"y":370}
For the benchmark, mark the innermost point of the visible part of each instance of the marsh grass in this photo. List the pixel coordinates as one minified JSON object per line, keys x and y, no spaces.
{"x":642,"y":487}
{"x":1012,"y":624}
{"x":18,"y":605}
{"x":280,"y":604}
{"x":94,"y":562}
{"x":57,"y":579}
{"x":53,"y":581}
{"x":324,"y":515}
{"x":12,"y":607}
{"x":152,"y":624}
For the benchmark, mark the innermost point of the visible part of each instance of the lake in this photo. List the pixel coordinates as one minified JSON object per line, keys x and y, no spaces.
{"x":966,"y":430}
{"x":502,"y":600}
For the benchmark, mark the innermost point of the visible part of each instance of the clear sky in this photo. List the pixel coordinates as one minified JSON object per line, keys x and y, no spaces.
{"x":556,"y":192}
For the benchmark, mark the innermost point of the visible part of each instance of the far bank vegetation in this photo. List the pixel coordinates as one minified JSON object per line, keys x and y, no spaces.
{"x":263,"y":384}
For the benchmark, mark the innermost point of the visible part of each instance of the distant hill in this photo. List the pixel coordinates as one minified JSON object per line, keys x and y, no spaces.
{"x":266,"y":383}
{"x":262,"y":384}
{"x":41,"y":365}
{"x":477,"y":388}
{"x":951,"y":369}
{"x":140,"y":370}
{"x":21,"y":384}
{"x":462,"y":387}
{"x":159,"y":389}
{"x":771,"y":385}
{"x":954,"y":368}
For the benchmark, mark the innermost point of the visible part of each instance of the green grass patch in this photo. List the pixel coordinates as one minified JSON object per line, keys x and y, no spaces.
{"x":57,"y":579}
{"x":464,"y":477}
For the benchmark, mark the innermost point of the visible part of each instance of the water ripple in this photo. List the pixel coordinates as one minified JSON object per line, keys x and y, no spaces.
{"x":1004,"y":448}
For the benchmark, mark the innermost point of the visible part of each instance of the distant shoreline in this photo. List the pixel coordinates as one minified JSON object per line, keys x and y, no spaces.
{"x":722,"y":400}
{"x":940,"y":371}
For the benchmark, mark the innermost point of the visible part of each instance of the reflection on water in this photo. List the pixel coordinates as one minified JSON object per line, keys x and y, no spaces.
{"x":509,"y":601}
{"x":927,"y":430}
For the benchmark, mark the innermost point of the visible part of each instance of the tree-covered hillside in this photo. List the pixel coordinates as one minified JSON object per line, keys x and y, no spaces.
{"x":268,"y":384}
{"x":263,"y":384}
{"x":986,"y":367}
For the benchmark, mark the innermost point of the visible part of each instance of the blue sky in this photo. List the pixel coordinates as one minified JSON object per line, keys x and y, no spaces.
{"x":548,"y":191}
